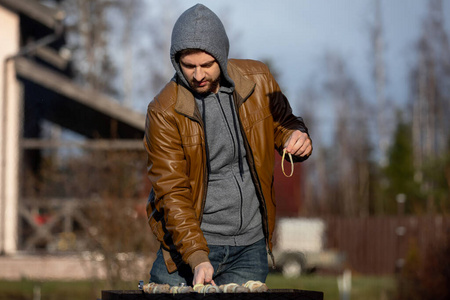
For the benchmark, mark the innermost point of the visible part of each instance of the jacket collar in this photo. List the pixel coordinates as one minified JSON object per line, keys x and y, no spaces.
{"x":244,"y":87}
{"x":185,"y":103}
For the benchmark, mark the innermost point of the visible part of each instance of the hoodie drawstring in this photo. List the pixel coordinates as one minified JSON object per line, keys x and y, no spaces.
{"x":241,"y":164}
{"x":208,"y":164}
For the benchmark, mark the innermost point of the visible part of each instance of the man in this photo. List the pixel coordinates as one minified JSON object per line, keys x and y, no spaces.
{"x":210,"y":135}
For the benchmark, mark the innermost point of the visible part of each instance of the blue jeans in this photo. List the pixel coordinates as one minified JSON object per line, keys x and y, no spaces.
{"x":232,"y":264}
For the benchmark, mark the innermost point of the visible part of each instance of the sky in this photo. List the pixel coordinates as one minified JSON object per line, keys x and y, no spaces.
{"x":295,"y":35}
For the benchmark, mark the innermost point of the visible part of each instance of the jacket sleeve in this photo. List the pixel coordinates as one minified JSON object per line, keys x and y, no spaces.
{"x":178,"y":226}
{"x":285,"y":122}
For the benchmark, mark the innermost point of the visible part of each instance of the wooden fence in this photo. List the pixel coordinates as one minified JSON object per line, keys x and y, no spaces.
{"x":379,"y":245}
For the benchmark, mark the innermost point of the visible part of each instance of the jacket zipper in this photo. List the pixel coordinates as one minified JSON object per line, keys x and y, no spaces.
{"x":257,"y":182}
{"x":235,"y":144}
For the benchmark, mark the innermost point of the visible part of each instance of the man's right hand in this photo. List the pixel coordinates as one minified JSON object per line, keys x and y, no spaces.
{"x":203,"y":273}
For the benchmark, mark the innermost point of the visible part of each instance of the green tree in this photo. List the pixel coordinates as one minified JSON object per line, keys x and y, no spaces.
{"x":437,"y":172}
{"x":398,"y":175}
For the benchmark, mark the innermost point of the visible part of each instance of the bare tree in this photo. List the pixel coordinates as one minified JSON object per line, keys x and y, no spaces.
{"x":315,"y":185}
{"x":379,"y":75}
{"x":117,"y":220}
{"x":339,"y":174}
{"x":142,"y":49}
{"x":94,"y":204}
{"x":431,"y":94}
{"x":89,"y":32}
{"x":350,"y":152}
{"x":120,"y":47}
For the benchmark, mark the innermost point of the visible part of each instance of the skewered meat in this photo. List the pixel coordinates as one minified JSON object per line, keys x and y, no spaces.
{"x":181,"y":289}
{"x":256,"y":286}
{"x":155,"y":288}
{"x":233,"y":288}
{"x":209,"y":288}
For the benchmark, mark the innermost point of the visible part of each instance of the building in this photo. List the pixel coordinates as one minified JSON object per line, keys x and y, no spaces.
{"x":36,"y":87}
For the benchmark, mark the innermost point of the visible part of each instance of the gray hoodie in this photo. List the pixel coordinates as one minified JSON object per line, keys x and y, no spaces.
{"x":199,"y":28}
{"x":231,"y":215}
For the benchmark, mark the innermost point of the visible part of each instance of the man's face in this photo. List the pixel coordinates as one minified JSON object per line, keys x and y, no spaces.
{"x":202,"y":72}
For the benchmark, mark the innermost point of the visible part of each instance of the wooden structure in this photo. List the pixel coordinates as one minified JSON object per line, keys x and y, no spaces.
{"x":36,"y":87}
{"x":288,"y":190}
{"x":380,"y":245}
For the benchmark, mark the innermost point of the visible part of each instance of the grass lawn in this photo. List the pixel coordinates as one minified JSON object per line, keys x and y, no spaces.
{"x":363,"y":287}
{"x":51,"y":290}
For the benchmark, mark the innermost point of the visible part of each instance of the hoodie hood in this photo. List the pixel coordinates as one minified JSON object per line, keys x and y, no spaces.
{"x":200,"y":28}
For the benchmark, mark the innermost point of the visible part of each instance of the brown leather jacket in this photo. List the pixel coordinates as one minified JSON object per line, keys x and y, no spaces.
{"x":174,"y":140}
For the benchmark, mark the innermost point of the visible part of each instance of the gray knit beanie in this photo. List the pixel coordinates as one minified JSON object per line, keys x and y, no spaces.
{"x":200,"y":28}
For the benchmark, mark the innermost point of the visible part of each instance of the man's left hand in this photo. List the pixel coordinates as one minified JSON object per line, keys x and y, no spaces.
{"x":299,"y":144}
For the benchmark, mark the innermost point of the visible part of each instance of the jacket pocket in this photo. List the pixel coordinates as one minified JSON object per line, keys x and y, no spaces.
{"x":191,"y":140}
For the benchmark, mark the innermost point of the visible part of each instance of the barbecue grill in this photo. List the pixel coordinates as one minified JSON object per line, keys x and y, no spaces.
{"x":275,"y":294}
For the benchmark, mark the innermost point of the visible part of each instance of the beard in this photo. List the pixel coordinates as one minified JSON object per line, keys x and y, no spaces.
{"x":206,"y":86}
